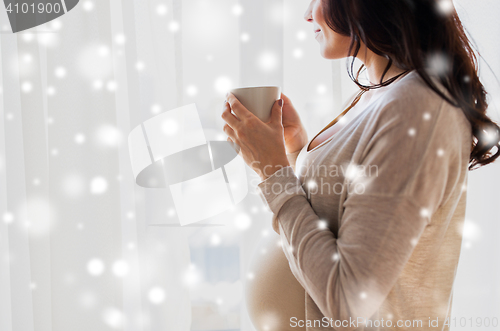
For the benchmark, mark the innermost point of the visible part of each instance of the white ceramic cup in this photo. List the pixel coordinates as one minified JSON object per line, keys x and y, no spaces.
{"x":258,"y":100}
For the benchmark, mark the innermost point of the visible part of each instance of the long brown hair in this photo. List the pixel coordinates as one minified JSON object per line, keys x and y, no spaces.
{"x":411,"y":34}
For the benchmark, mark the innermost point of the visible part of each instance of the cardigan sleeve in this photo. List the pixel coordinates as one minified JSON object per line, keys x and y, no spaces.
{"x":292,"y":158}
{"x":349,"y":276}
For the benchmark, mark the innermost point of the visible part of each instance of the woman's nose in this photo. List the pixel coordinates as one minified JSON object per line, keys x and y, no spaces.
{"x":308,"y":13}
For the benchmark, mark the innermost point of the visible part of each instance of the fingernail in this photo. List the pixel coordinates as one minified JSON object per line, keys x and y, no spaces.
{"x":280,"y":102}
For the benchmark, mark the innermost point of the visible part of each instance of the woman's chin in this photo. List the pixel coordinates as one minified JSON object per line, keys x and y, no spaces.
{"x":329,"y":54}
{"x":322,"y":51}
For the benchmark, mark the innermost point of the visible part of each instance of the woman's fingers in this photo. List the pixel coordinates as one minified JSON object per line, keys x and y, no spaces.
{"x":237,"y":107}
{"x":227,"y":116}
{"x":276,"y":113}
{"x":234,"y":145}
{"x":285,"y":98}
{"x":230,"y":132}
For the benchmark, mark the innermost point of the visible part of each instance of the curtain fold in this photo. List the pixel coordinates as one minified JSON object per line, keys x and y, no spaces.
{"x":15,"y":207}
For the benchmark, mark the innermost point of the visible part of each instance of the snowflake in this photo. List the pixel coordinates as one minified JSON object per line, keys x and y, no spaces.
{"x":88,"y":5}
{"x":174,"y":26}
{"x":114,"y":318}
{"x":60,"y":72}
{"x":322,"y":225}
{"x":98,"y":185}
{"x":161,"y":10}
{"x":311,"y":184}
{"x":51,"y":90}
{"x":140,"y":66}
{"x":95,"y":267}
{"x":98,"y":84}
{"x":301,"y":35}
{"x":111,"y":86}
{"x":298,"y":53}
{"x":438,"y":64}
{"x":156,"y":295}
{"x":80,"y":138}
{"x":470,"y":231}
{"x":353,"y":171}
{"x":73,"y":185}
{"x":242,"y":221}
{"x":237,"y":10}
{"x":215,"y":239}
{"x":445,"y":7}
{"x":120,"y":39}
{"x":191,"y":90}
{"x":245,"y":37}
{"x":321,"y":89}
{"x":26,"y":87}
{"x":8,"y":217}
{"x":109,"y":136}
{"x":120,"y":268}
{"x":268,"y":61}
{"x":424,"y":212}
{"x":223,"y":84}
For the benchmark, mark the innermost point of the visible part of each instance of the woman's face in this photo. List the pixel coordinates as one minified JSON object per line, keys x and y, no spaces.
{"x":332,"y":44}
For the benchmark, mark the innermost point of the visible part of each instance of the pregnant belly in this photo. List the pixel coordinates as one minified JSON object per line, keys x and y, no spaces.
{"x":273,"y":296}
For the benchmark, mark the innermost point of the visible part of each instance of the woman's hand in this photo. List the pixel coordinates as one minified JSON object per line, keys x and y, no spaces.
{"x":260,"y":144}
{"x":294,"y":133}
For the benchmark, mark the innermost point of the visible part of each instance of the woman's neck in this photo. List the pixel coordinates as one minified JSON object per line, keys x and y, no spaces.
{"x":375,"y":66}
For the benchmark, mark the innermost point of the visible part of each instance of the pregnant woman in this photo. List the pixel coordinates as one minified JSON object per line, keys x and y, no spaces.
{"x":370,"y":211}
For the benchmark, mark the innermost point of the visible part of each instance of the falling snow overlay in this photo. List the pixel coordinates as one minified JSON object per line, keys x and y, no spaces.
{"x":84,"y":247}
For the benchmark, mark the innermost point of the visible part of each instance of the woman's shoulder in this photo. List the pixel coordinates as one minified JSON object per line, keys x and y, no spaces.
{"x":412,"y":91}
{"x":413,"y":101}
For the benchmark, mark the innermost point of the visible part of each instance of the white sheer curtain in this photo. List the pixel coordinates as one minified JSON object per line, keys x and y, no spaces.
{"x":82,"y":247}
{"x":78,"y":251}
